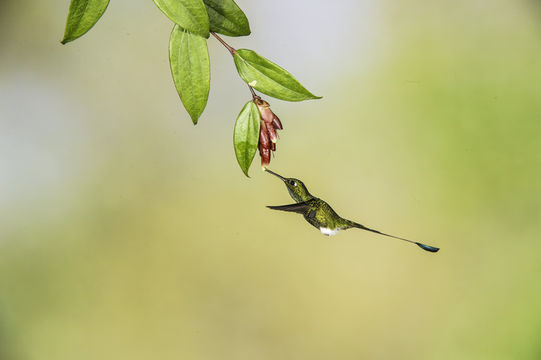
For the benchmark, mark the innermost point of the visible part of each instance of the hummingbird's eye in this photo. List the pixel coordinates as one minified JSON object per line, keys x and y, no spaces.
{"x":292,"y":183}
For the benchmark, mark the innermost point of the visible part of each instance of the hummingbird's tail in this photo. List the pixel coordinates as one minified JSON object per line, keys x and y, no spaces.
{"x":422,"y":246}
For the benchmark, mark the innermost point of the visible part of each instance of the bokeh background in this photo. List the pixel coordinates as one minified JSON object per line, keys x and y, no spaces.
{"x":128,"y":233}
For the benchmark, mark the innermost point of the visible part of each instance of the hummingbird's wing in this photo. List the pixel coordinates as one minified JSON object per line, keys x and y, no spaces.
{"x":300,"y":208}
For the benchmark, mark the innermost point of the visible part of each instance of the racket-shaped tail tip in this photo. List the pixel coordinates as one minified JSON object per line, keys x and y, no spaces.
{"x":427,"y":248}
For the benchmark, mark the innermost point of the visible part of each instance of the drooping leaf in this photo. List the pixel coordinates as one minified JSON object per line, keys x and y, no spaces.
{"x":189,"y":14}
{"x":269,"y":78}
{"x":227,"y":18}
{"x":246,"y":135}
{"x":190,"y":67}
{"x":82,"y":15}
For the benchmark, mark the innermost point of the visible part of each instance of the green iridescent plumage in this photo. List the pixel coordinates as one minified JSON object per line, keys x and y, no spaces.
{"x":320,"y":214}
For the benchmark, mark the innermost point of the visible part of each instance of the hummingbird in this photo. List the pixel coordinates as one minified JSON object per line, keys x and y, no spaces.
{"x":321,"y":215}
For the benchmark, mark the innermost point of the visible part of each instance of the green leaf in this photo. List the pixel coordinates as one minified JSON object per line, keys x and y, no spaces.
{"x":189,"y":14}
{"x":82,"y":15}
{"x":227,"y":18}
{"x":246,"y":135}
{"x":269,"y":78}
{"x":190,"y":67}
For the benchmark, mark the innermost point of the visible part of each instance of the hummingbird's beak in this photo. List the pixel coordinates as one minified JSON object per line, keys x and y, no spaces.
{"x":275,"y":174}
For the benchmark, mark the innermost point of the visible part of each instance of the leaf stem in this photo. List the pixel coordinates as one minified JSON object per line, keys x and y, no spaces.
{"x":231,"y":50}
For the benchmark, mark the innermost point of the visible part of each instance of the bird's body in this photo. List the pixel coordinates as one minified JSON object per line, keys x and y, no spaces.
{"x":321,"y":215}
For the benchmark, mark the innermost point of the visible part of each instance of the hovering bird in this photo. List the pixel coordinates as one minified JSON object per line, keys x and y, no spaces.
{"x":320,"y":215}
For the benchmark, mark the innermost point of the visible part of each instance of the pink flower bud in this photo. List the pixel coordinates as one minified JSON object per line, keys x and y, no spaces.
{"x":264,"y":110}
{"x":272,"y":133}
{"x":277,"y":123}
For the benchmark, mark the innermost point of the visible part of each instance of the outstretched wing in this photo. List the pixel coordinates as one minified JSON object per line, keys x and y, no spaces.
{"x":300,"y":208}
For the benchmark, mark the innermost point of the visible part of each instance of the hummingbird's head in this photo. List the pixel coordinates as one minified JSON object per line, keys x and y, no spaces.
{"x":296,"y":188}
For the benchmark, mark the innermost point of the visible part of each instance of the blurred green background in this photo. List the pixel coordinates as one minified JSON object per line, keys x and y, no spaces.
{"x":128,"y":233}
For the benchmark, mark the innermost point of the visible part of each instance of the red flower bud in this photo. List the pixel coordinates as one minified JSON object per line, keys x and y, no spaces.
{"x":263,"y":135}
{"x":267,"y":133}
{"x":265,"y":156}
